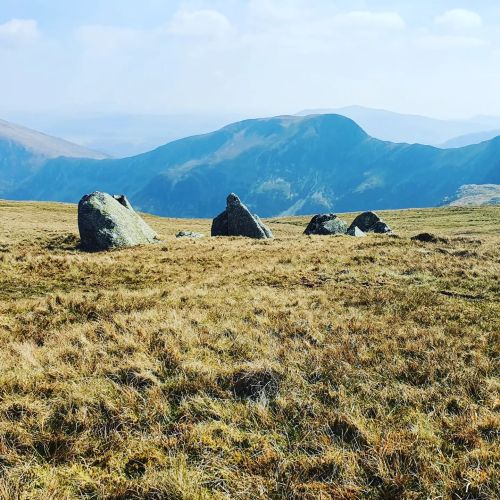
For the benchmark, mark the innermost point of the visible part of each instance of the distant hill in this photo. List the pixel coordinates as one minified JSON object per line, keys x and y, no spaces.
{"x":466,"y":140}
{"x":283,"y":165}
{"x":23,"y":151}
{"x":414,"y":129}
{"x":475,"y":195}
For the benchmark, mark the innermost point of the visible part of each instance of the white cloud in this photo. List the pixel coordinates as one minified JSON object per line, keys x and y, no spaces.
{"x":371,"y":20}
{"x":460,"y":19}
{"x":18,"y":32}
{"x":449,"y":42}
{"x":200,"y":23}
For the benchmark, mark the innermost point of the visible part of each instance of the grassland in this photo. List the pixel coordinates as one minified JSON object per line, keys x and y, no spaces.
{"x":304,"y":367}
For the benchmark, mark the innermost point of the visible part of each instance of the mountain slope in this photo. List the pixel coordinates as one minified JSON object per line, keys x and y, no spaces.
{"x":44,"y":145}
{"x":282,"y":165}
{"x":475,"y":195}
{"x":24,"y":151}
{"x":413,"y":129}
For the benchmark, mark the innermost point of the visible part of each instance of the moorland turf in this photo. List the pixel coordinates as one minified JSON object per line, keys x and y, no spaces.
{"x":303,"y":367}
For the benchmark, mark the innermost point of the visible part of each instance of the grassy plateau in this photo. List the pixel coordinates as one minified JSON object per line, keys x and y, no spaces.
{"x":302,"y":367}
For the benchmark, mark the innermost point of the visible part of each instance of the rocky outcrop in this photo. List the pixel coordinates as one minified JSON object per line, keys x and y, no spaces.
{"x":370,"y":222}
{"x":106,"y":222}
{"x":237,"y":220}
{"x":326,"y":224}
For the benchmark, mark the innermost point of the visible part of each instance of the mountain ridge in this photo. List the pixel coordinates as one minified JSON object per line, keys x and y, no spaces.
{"x":43,"y":144}
{"x":285,"y":165}
{"x":414,"y":128}
{"x":23,"y":151}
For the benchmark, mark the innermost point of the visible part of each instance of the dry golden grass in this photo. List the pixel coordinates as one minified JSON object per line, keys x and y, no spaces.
{"x":304,"y":367}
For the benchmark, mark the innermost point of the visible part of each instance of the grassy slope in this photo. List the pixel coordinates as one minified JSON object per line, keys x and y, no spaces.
{"x":132,"y":374}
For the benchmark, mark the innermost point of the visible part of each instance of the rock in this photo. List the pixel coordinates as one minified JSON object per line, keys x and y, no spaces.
{"x":428,"y":238}
{"x":381,"y":227}
{"x":237,"y":220}
{"x":370,"y":222}
{"x":326,"y":224}
{"x":355,"y":231}
{"x":189,"y":234}
{"x":106,"y":221}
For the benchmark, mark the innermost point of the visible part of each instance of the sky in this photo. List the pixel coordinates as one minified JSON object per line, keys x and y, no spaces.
{"x":253,"y":57}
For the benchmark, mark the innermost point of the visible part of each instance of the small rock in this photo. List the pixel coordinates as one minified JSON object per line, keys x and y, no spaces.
{"x":189,"y":234}
{"x":326,"y":224}
{"x":355,"y":231}
{"x":370,"y":222}
{"x":237,"y":220}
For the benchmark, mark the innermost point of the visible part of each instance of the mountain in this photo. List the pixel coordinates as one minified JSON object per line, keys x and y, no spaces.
{"x":412,"y":129}
{"x":475,"y":195}
{"x":283,"y":165}
{"x":465,"y":140}
{"x":24,"y":151}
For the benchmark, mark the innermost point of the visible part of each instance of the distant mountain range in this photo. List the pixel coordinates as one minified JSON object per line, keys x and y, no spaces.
{"x":125,"y":134}
{"x":468,"y":139}
{"x":24,"y":151}
{"x":415,"y":129}
{"x":279,"y":166}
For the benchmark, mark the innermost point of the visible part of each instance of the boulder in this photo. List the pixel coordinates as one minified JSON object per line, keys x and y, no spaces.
{"x":106,"y":222}
{"x":355,"y":231}
{"x":326,"y":224}
{"x":189,"y":234}
{"x":237,"y":220}
{"x":370,"y":222}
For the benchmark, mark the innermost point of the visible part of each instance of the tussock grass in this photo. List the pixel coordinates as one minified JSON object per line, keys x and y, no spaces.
{"x":304,"y":367}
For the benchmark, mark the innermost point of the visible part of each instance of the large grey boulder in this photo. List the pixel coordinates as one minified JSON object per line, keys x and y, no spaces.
{"x":237,"y":220}
{"x":326,"y":224}
{"x":370,"y":222}
{"x":106,"y":221}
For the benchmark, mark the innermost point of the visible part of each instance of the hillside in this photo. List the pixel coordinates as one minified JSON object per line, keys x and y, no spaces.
{"x":285,"y":165}
{"x":24,"y":151}
{"x":476,"y":195}
{"x":304,"y":367}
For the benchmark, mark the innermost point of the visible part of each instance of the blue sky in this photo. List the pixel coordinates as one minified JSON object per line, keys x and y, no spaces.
{"x":257,"y":57}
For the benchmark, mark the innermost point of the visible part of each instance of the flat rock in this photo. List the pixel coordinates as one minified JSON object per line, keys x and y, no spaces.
{"x":189,"y":234}
{"x":370,"y":222}
{"x":326,"y":224}
{"x":106,"y":222}
{"x":237,"y":220}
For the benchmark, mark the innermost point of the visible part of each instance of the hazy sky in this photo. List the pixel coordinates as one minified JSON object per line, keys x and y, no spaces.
{"x":440,"y":58}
